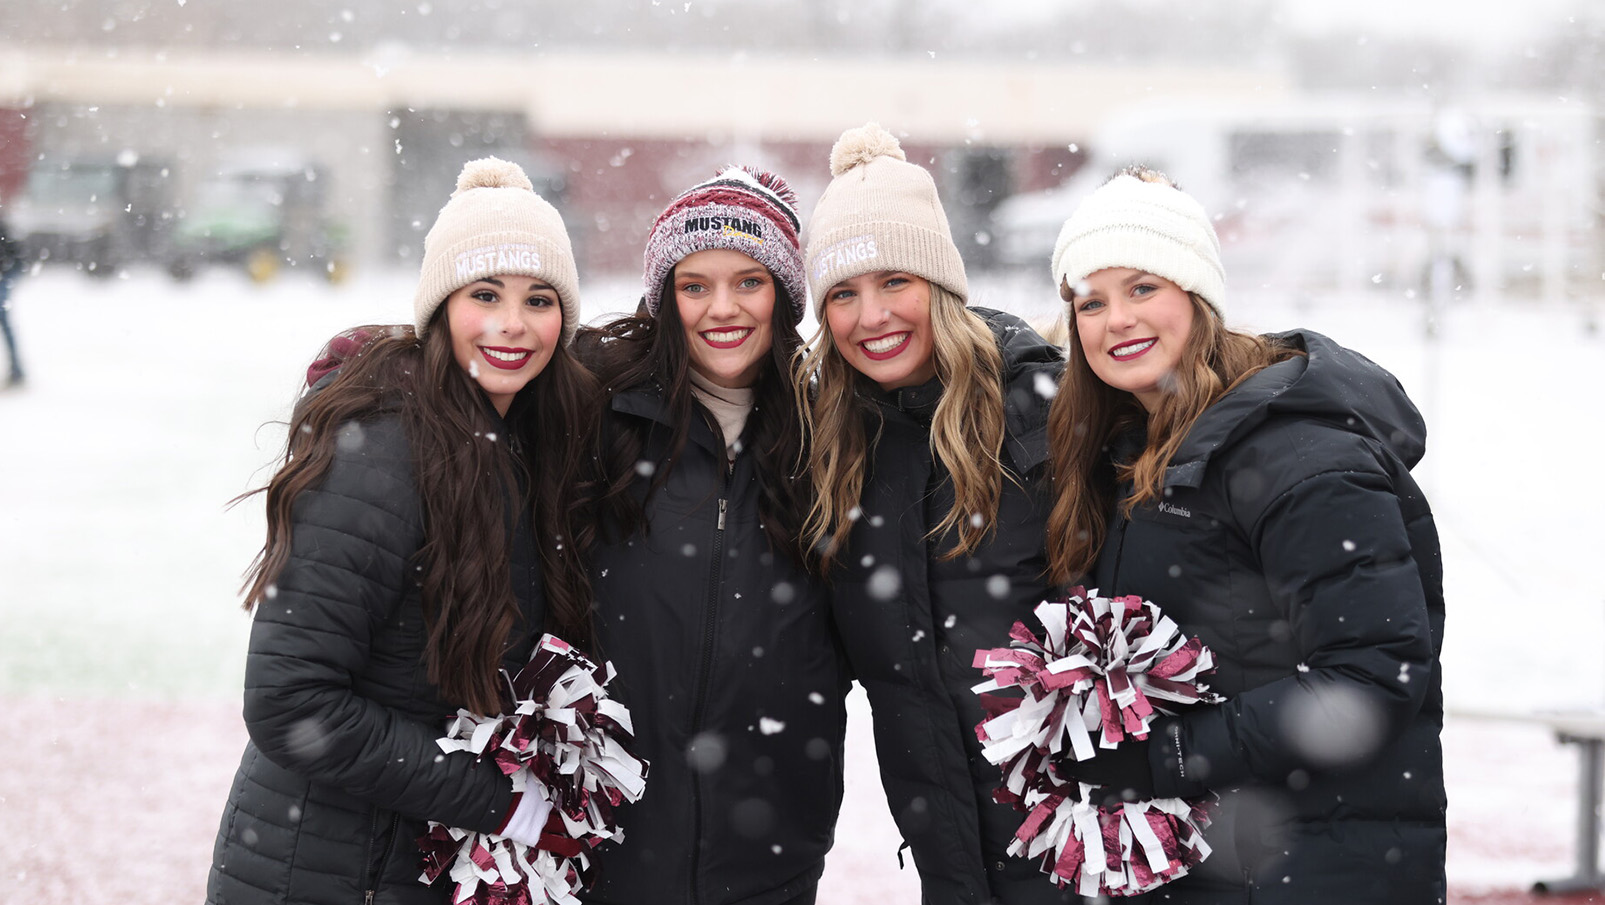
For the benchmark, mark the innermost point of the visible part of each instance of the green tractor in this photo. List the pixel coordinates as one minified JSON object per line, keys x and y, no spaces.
{"x":261,"y":215}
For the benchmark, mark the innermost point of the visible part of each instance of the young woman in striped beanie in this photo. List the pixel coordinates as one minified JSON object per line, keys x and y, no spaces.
{"x":704,"y":596}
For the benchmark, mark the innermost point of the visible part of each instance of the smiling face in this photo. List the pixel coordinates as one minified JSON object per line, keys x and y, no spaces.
{"x":725,"y":301}
{"x":1133,"y":328}
{"x":881,"y":324}
{"x":503,"y":332}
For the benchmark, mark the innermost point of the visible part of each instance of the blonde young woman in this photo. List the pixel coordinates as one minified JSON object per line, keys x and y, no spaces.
{"x":927,"y":428}
{"x":1258,"y":490}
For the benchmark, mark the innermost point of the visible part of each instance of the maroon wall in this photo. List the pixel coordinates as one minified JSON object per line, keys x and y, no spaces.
{"x":14,"y":153}
{"x":616,"y":187}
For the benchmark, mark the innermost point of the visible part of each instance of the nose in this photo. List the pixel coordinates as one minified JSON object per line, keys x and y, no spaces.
{"x":722,"y":304}
{"x":873,"y":312}
{"x":1122,"y":315}
{"x":512,"y":324}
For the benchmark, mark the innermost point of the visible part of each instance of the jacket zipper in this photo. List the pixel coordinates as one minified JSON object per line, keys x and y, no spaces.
{"x":379,"y":870}
{"x":710,"y":618}
{"x":1120,"y":553}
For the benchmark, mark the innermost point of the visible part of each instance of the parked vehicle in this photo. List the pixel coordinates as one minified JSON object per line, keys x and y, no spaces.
{"x":261,"y":211}
{"x":98,"y":213}
{"x":1498,"y":192}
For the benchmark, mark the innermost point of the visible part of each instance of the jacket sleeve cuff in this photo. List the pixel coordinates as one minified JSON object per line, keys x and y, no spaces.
{"x":1167,"y":757}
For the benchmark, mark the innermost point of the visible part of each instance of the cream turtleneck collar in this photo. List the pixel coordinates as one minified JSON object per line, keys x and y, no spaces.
{"x":729,"y":405}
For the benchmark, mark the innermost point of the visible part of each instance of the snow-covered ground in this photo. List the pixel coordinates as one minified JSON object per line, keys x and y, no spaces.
{"x":150,"y":405}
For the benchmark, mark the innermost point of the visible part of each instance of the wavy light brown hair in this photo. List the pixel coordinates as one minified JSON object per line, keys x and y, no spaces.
{"x":1087,"y":414}
{"x":966,"y":431}
{"x":468,"y":484}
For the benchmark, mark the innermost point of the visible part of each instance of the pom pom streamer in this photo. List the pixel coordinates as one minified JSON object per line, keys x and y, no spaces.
{"x":1103,"y":669}
{"x":1122,"y":851}
{"x":567,"y":735}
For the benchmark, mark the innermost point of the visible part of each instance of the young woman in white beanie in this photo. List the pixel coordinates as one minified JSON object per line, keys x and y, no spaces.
{"x":1258,"y":490}
{"x":417,"y":543}
{"x":928,"y":425}
{"x":704,"y":595}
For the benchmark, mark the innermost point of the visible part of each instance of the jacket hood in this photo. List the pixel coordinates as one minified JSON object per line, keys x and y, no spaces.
{"x":1025,"y":352}
{"x":1329,"y":383}
{"x":1031,"y":370}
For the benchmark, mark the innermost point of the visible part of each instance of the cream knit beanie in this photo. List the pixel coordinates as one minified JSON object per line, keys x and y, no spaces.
{"x":879,"y":213}
{"x":495,"y":224}
{"x":1148,"y":226}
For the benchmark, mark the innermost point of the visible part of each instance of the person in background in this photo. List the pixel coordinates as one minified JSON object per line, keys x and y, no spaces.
{"x":11,"y":267}
{"x":419,"y":542}
{"x":1257,"y":489}
{"x":928,"y":448}
{"x":704,"y":596}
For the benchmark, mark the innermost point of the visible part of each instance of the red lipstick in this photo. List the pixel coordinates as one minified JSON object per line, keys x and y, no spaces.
{"x":513,"y":365}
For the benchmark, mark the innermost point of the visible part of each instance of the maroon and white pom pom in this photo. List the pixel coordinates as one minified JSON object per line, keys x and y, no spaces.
{"x":567,"y":735}
{"x":1121,"y":851}
{"x":1104,"y":668}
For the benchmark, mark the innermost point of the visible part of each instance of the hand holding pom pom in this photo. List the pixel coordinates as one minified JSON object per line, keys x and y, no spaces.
{"x":565,"y":742}
{"x":1106,"y":668}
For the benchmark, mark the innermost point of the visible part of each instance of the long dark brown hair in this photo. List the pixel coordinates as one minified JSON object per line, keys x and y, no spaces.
{"x":639,"y":349}
{"x":1087,"y":414}
{"x":468,"y":479}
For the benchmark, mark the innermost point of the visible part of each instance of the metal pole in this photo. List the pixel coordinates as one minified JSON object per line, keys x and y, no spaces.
{"x":1591,"y":755}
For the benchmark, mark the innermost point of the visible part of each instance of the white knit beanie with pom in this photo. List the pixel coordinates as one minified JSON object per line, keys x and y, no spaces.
{"x":1148,"y":226}
{"x":495,"y":225}
{"x":879,"y":212}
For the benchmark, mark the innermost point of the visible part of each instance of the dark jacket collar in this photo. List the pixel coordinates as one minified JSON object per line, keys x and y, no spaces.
{"x":1329,"y":383}
{"x":648,"y":400}
{"x":1031,"y":369}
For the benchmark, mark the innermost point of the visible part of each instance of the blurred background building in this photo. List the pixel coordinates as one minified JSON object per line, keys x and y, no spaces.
{"x":326,"y":136}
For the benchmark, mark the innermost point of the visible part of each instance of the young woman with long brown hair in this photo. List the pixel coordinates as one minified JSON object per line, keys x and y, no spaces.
{"x":704,"y":597}
{"x":927,"y":458}
{"x":419,"y":540}
{"x":1258,"y":490}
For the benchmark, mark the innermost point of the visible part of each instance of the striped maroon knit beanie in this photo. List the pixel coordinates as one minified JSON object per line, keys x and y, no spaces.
{"x":741,"y":209}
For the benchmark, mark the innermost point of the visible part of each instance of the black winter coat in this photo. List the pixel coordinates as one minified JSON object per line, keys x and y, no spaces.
{"x":911,"y":623}
{"x":735,"y":685}
{"x":1293,"y":541}
{"x":342,"y":770}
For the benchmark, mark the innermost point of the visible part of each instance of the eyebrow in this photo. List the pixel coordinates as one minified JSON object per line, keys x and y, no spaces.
{"x":747,"y":272}
{"x":536,"y":286}
{"x":1137,"y":277}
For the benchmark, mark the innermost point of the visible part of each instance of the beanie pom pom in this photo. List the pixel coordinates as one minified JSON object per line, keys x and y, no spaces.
{"x":492,"y":173}
{"x":857,"y":147}
{"x":775,"y":184}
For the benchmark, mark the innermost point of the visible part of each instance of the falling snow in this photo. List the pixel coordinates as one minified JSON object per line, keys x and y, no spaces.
{"x":884,"y":583}
{"x":169,"y":472}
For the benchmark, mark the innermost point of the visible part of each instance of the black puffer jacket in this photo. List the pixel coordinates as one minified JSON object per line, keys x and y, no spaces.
{"x":342,"y":770}
{"x":730,"y":669}
{"x":912,"y":623}
{"x":1294,"y":542}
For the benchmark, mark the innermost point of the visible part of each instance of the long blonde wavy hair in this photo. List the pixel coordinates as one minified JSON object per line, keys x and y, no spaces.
{"x":1087,"y":414}
{"x":966,"y":431}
